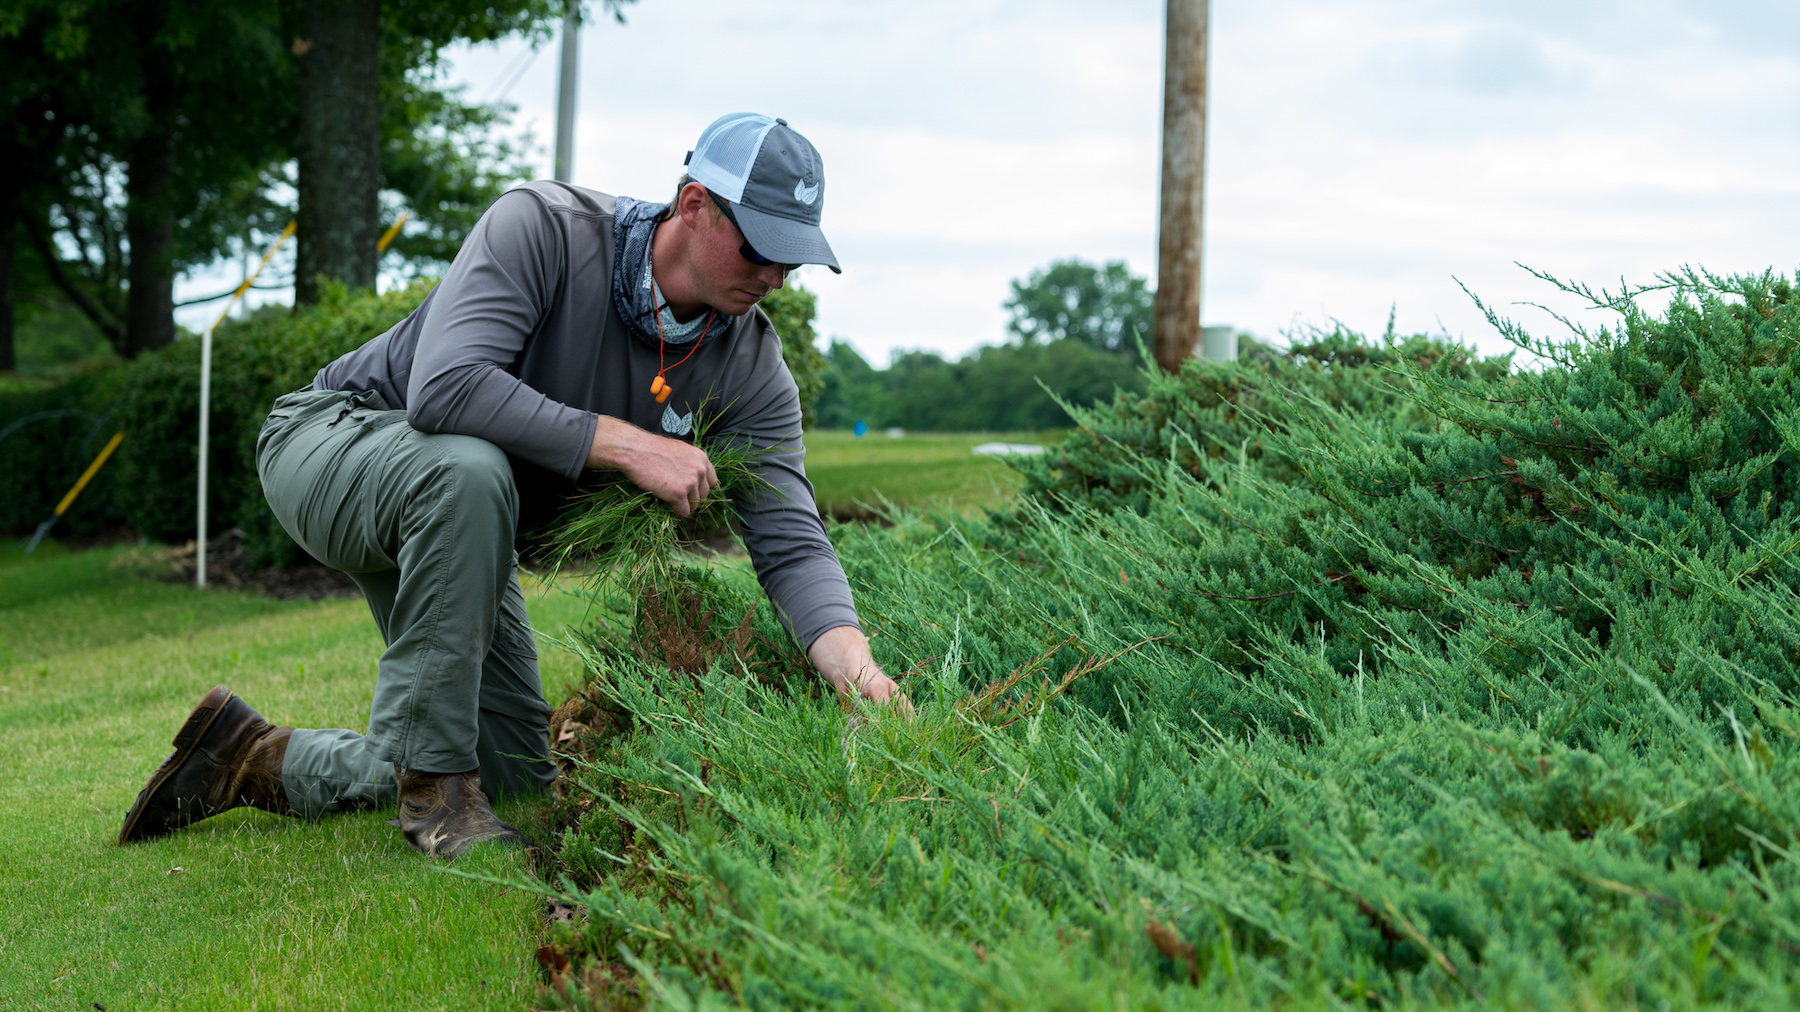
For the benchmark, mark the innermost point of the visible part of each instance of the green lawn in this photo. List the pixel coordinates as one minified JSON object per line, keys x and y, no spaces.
{"x":245,"y":911}
{"x":919,"y":469}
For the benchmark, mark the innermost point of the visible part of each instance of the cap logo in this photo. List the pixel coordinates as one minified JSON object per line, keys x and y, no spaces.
{"x":806,"y":194}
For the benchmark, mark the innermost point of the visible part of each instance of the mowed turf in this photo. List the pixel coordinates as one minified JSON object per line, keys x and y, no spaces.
{"x":923,"y":470}
{"x":98,"y":665}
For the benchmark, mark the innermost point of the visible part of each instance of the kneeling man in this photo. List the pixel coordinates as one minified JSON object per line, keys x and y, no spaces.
{"x":574,"y":332}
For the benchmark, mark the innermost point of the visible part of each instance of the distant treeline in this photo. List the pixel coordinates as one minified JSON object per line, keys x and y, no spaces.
{"x":994,"y":389}
{"x":1075,"y":329}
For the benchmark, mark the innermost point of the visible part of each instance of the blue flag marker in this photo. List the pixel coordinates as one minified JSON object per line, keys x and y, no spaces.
{"x":861,"y":428}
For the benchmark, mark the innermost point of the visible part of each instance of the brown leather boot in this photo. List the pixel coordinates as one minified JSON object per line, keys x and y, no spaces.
{"x":225,"y":756}
{"x":445,"y":814}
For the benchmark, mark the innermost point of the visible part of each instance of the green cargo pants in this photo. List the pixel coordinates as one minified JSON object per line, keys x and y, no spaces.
{"x":424,"y":523}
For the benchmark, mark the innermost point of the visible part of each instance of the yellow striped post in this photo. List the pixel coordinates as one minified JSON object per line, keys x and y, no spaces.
{"x":88,"y":475}
{"x":381,"y":244}
{"x":67,"y":500}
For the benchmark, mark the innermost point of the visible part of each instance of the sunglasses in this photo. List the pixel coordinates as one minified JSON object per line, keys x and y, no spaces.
{"x":747,"y":251}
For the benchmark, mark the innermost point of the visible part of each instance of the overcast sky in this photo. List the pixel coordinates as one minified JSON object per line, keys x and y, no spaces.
{"x":1361,"y":155}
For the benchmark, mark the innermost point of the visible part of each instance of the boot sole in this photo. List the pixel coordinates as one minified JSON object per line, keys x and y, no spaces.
{"x":186,"y":739}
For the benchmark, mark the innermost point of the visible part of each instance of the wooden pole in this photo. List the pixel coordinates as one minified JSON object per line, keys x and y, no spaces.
{"x":1176,"y":333}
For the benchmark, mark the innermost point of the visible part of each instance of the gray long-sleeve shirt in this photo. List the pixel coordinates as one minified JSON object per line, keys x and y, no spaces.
{"x":520,"y":345}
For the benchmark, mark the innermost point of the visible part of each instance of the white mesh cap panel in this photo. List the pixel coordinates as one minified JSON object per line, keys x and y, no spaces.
{"x":726,"y":151}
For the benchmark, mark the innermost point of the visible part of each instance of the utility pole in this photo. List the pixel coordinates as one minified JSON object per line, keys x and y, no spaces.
{"x":1176,"y":330}
{"x":564,"y":169}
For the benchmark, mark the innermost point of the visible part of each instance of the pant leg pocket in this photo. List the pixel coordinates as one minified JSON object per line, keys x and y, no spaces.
{"x":287,"y":416}
{"x":367,"y":410}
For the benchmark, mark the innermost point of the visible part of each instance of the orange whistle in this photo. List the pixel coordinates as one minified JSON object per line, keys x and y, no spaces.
{"x":657,"y":386}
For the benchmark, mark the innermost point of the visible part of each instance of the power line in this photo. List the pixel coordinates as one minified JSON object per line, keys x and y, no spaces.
{"x":511,"y":75}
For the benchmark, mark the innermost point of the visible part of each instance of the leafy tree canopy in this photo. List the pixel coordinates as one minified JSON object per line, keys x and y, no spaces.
{"x":111,"y":79}
{"x":792,"y":309}
{"x":1105,"y":306}
{"x":157,"y":115}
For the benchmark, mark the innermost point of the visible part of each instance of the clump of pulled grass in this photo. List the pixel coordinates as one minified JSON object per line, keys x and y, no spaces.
{"x":632,"y":539}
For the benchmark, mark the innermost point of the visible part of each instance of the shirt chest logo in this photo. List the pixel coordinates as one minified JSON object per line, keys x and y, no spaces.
{"x":676,"y":425}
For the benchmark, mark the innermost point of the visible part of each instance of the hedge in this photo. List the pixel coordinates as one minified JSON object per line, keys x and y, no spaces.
{"x":47,"y":438}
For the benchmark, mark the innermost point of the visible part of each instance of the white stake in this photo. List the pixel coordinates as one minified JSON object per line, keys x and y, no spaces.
{"x":205,"y":420}
{"x":206,"y":407}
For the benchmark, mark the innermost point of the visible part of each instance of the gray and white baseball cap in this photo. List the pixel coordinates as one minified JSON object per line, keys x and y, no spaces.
{"x":775,"y":180}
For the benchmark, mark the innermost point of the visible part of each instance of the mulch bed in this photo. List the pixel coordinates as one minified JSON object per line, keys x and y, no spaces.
{"x":225,"y":568}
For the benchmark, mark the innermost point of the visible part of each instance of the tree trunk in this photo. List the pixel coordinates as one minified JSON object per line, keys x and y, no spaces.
{"x":150,"y":230}
{"x":340,"y":144}
{"x":1177,"y":320}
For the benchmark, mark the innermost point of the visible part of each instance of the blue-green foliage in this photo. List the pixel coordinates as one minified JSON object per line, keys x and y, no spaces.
{"x":1369,"y":677}
{"x":1215,"y":414}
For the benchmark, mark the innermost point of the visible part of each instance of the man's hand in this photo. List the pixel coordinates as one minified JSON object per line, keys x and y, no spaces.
{"x":678,"y":473}
{"x":842,"y":656}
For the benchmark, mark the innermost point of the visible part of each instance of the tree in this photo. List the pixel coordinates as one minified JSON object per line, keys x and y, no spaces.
{"x":441,"y":161}
{"x":1105,"y":307}
{"x":174,"y":143}
{"x":339,"y":52}
{"x":165,"y":109}
{"x":1078,"y":327}
{"x":854,"y":390}
{"x":348,"y":51}
{"x":28,"y":141}
{"x":993,"y":389}
{"x":792,"y":309}
{"x":210,"y":109}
